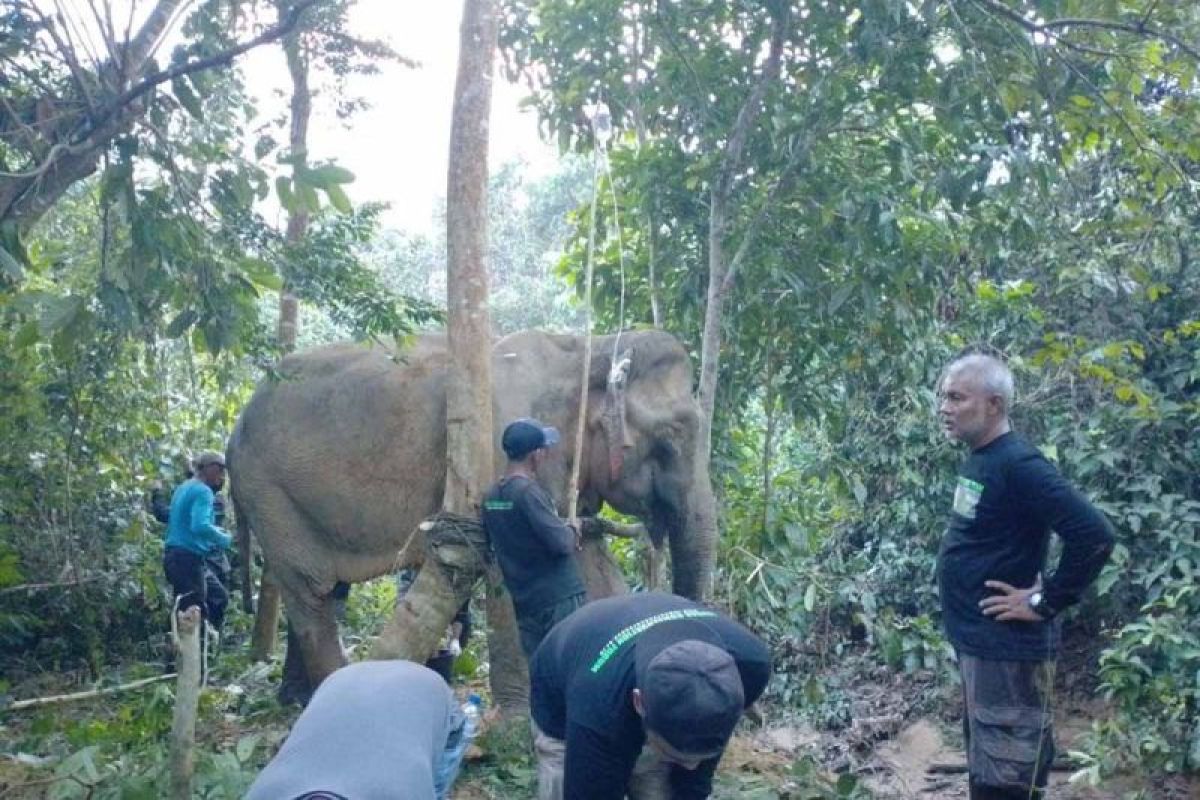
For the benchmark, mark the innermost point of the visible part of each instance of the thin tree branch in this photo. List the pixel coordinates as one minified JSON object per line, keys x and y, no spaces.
{"x":68,"y":54}
{"x":757,"y":225}
{"x":143,"y":43}
{"x":1138,"y":29}
{"x":114,"y":108}
{"x":750,"y":110}
{"x":33,"y":587}
{"x":224,"y":57}
{"x":38,"y":702}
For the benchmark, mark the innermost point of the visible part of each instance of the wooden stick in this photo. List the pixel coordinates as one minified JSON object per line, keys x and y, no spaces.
{"x":38,"y":702}
{"x":958,"y":768}
{"x":33,"y":587}
{"x":187,"y":699}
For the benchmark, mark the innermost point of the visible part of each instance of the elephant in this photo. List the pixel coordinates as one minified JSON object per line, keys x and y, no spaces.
{"x":336,"y":461}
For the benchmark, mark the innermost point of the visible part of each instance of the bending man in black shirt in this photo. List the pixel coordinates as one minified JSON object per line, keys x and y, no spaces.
{"x":997,"y":610}
{"x":535,"y":549}
{"x":642,"y":692}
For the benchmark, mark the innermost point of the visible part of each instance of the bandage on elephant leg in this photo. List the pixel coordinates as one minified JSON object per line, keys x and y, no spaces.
{"x":454,"y":548}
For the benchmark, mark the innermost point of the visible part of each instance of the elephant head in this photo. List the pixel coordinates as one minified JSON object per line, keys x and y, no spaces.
{"x":640,"y":434}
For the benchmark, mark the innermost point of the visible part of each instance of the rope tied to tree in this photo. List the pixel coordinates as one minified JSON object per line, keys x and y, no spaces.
{"x":457,"y":543}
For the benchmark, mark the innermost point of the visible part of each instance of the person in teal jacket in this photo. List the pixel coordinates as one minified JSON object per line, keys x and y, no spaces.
{"x":193,"y":537}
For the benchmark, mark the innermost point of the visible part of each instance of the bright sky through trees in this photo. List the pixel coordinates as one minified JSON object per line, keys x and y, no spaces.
{"x":398,"y":147}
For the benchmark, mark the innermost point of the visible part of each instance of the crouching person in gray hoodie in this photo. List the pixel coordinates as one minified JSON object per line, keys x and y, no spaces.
{"x":375,"y":730}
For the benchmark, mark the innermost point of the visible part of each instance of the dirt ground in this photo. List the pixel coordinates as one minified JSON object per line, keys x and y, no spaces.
{"x":916,"y":762}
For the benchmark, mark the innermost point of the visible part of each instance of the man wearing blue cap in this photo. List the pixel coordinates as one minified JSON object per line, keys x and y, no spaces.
{"x":534,"y":547}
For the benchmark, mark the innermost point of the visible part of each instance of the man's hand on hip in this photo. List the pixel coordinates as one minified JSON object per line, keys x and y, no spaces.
{"x":1013,"y":604}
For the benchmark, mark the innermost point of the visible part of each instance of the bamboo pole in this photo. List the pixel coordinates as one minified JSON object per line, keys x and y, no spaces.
{"x":187,"y":699}
{"x":38,"y":702}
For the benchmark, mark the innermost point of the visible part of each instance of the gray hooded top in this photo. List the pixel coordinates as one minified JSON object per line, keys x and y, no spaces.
{"x":373,"y":731}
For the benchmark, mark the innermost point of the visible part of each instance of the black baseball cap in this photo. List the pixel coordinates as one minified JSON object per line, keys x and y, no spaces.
{"x":525,"y":435}
{"x":691,"y":689}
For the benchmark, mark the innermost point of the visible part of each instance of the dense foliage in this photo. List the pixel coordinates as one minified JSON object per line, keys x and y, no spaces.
{"x":927,"y":177}
{"x":924,"y":177}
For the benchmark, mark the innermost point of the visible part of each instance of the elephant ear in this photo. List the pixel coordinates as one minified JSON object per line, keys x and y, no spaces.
{"x":613,"y":419}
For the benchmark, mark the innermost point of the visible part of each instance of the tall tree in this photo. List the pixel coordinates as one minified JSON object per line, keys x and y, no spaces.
{"x":445,"y":580}
{"x":322,"y":41}
{"x":266,"y":622}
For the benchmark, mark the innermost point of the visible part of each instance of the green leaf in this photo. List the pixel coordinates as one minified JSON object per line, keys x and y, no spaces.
{"x":338,"y":198}
{"x":245,"y":747}
{"x":309,"y":200}
{"x":181,"y":323}
{"x":187,"y":98}
{"x":846,"y":784}
{"x":10,"y":266}
{"x":329,"y":174}
{"x":287,"y":198}
{"x":261,"y":273}
{"x":58,"y":313}
{"x":860,"y":491}
{"x":840,"y":295}
{"x":26,"y":336}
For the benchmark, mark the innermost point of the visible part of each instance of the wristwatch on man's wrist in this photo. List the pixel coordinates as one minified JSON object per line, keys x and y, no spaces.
{"x":1037,"y":603}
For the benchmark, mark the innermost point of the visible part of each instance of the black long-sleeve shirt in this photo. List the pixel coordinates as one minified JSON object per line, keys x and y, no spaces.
{"x":535,"y":548}
{"x":583,"y":675}
{"x":1007,"y":500}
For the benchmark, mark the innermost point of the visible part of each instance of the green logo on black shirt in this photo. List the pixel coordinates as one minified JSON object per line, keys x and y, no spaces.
{"x":966,"y":497}
{"x":614,"y":644}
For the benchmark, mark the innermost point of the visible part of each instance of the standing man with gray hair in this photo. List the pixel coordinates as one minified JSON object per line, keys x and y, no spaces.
{"x":998,"y":611}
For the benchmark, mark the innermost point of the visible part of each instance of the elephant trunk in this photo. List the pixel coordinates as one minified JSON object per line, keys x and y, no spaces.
{"x":693,"y":544}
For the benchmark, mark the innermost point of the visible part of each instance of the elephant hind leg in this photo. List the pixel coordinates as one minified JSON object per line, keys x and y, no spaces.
{"x":312,"y":629}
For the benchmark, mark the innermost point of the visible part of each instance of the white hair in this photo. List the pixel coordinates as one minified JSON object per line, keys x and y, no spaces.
{"x":994,"y":375}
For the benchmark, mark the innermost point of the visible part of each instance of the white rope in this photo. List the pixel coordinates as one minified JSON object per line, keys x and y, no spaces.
{"x":602,"y":131}
{"x":573,"y":485}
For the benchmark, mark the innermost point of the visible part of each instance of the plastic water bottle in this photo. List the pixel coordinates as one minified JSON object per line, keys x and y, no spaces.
{"x":473,"y":711}
{"x":456,"y":747}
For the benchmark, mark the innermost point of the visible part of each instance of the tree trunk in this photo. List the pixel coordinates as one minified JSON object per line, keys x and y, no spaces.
{"x":448,"y":575}
{"x":297,"y":224}
{"x":469,"y":404}
{"x":469,"y":400}
{"x":721,"y":271}
{"x":266,"y":622}
{"x":187,"y":699}
{"x":768,"y":454}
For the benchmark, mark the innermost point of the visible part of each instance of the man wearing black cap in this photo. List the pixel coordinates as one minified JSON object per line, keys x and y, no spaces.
{"x":535,"y":548}
{"x":639,"y":694}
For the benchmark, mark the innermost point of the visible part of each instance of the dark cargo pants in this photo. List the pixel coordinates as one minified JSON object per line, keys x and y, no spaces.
{"x":1007,"y":726}
{"x":534,"y":627}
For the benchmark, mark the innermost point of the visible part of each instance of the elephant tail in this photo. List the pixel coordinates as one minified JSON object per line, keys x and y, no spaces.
{"x":245,"y":551}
